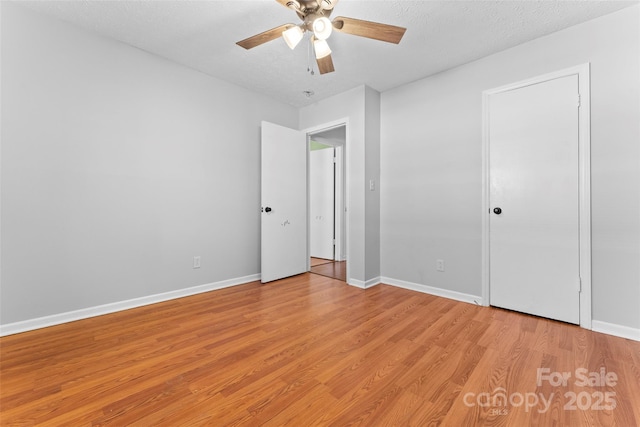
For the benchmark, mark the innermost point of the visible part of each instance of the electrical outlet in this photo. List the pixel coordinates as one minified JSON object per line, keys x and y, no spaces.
{"x":196,"y":261}
{"x":440,"y":265}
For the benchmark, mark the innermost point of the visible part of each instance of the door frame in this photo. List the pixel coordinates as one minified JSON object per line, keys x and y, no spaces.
{"x":340,"y":217}
{"x":584,"y":181}
{"x":346,"y":154}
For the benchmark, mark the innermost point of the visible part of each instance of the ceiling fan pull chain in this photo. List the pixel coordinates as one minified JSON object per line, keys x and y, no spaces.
{"x":309,"y":61}
{"x":309,"y":69}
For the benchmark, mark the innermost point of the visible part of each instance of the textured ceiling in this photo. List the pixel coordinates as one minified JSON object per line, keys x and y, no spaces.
{"x":440,"y":35}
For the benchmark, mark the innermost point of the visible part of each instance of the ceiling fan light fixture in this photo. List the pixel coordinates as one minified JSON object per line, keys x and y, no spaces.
{"x":322,"y":28}
{"x":321,"y":47}
{"x":292,"y":36}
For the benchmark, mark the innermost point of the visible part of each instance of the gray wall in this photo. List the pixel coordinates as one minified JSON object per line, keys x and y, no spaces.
{"x":372,"y":172}
{"x":431,"y":163}
{"x":361,"y":107}
{"x":117,"y":168}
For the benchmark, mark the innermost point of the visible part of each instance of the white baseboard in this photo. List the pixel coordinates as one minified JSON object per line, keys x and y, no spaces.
{"x":458,"y":296}
{"x":596,"y":325}
{"x":616,"y":330}
{"x":56,"y":319}
{"x":364,"y":285}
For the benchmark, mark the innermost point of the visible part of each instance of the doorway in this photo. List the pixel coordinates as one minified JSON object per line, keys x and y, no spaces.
{"x":536,"y":215}
{"x":327,"y":217}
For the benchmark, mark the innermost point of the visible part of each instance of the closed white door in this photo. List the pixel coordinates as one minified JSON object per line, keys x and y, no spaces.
{"x":533,"y":177}
{"x":321,"y":203}
{"x":284,"y":202}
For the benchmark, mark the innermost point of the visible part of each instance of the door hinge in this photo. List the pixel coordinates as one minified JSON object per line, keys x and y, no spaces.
{"x":334,"y":242}
{"x":578,"y":100}
{"x":579,"y":284}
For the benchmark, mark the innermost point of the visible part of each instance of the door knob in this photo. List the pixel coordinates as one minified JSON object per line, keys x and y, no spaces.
{"x":496,"y":211}
{"x":267,"y":209}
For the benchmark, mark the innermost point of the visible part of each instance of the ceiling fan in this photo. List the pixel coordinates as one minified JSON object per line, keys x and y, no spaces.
{"x":315,"y":19}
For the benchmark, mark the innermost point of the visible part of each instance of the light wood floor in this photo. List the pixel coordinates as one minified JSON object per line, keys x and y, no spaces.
{"x":329,"y":268}
{"x":319,"y":261}
{"x":310,"y":350}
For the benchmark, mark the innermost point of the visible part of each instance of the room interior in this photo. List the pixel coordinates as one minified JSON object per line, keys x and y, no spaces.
{"x":130,"y":144}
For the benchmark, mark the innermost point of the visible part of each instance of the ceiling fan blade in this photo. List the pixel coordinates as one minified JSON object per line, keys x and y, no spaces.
{"x":325,"y":64}
{"x":264,"y":37}
{"x":372,"y":30}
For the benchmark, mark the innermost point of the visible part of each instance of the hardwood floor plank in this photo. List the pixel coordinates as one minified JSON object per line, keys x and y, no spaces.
{"x":385,"y":364}
{"x":438,"y":406}
{"x":310,"y":350}
{"x":313,"y":403}
{"x":273,"y":366}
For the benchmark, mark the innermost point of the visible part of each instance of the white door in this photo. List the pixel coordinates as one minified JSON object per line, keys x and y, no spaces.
{"x":321,"y":203}
{"x":284,"y":202}
{"x":533,"y":179}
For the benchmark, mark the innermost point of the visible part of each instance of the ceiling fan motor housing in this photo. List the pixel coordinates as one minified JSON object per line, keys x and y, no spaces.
{"x":307,"y":8}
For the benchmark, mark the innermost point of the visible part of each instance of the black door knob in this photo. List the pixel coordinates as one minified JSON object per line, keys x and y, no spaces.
{"x":496,"y":211}
{"x":267,"y":209}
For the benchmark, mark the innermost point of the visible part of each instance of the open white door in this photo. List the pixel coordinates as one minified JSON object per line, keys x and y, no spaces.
{"x":284,"y":202}
{"x":534,"y":182}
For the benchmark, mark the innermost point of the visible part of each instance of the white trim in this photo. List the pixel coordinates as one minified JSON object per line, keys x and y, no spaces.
{"x":485,"y":280}
{"x":584,"y":191}
{"x":357,"y":283}
{"x":616,"y":330}
{"x":439,"y":292}
{"x":85,"y":313}
{"x":340,"y":214}
{"x":307,"y":139}
{"x":365,"y":285}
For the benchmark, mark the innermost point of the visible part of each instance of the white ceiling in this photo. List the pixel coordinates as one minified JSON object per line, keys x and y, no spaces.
{"x":334,"y":136}
{"x":440,"y":35}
